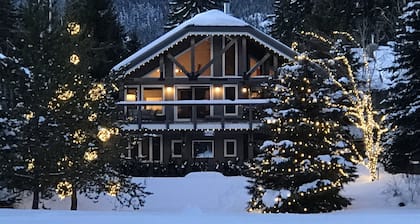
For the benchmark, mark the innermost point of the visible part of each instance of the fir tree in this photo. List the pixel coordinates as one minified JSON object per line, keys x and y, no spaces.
{"x":7,"y":27}
{"x":87,"y":118}
{"x":180,"y":11}
{"x":404,"y":114}
{"x":99,"y":17}
{"x":303,"y":166}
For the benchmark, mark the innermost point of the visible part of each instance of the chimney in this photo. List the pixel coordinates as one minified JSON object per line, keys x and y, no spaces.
{"x":226,"y":7}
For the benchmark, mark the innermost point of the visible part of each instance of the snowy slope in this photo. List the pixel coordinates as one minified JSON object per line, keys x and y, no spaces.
{"x":212,"y":198}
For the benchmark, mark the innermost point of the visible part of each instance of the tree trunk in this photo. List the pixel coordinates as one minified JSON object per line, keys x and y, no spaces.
{"x":74,"y":200}
{"x":35,"y":199}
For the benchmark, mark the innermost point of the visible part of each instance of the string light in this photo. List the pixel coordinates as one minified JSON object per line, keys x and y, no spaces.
{"x":90,"y":155}
{"x":31,"y":165}
{"x":29,"y":115}
{"x":104,"y":134}
{"x":74,"y":59}
{"x":64,"y":95}
{"x":79,"y":137}
{"x":113,"y":188}
{"x":73,"y":28}
{"x":64,"y":189}
{"x":92,"y":117}
{"x":97,"y":92}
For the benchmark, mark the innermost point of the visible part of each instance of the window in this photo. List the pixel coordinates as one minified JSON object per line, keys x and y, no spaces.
{"x":231,"y":94}
{"x":176,"y":148}
{"x":229,"y":58}
{"x":203,"y":149}
{"x":153,"y":94}
{"x":230,"y":148}
{"x":193,"y":93}
{"x":202,"y":57}
{"x":155,"y":73}
{"x":131,"y":94}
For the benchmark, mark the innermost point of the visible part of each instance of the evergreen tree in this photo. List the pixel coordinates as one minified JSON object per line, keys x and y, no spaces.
{"x":99,"y":17}
{"x":37,"y":152}
{"x":303,"y":166}
{"x":180,"y":10}
{"x":7,"y":27}
{"x":404,"y":114}
{"x":87,"y":119}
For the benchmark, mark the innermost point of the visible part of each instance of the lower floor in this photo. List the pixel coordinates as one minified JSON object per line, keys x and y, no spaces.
{"x":186,"y":151}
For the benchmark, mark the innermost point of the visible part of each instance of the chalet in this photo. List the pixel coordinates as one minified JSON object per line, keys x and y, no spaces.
{"x":191,"y":94}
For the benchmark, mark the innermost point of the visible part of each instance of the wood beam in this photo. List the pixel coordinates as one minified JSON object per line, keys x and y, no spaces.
{"x":218,"y":54}
{"x":258,"y":64}
{"x":183,"y":69}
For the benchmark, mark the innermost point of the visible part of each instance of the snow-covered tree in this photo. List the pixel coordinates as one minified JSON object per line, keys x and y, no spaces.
{"x":180,"y":10}
{"x":7,"y":27}
{"x":404,"y":98}
{"x":305,"y":163}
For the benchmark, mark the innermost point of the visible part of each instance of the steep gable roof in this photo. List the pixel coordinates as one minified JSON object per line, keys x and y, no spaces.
{"x":212,"y":22}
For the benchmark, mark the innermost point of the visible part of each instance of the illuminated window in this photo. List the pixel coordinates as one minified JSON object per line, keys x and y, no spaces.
{"x":131,"y":94}
{"x":230,"y":147}
{"x":203,"y":149}
{"x":155,"y":73}
{"x":153,"y":94}
{"x":202,"y":57}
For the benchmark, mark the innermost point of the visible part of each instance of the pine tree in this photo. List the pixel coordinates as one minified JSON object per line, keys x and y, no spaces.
{"x":86,"y":117}
{"x":36,"y":149}
{"x":7,"y":27}
{"x":404,"y":115}
{"x":305,"y":163}
{"x":180,"y":10}
{"x":105,"y":31}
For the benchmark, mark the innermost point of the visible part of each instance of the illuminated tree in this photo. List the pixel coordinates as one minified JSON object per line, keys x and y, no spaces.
{"x":305,"y":163}
{"x":180,"y":11}
{"x":87,"y":120}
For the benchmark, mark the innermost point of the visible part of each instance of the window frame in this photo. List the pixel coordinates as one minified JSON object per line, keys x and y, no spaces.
{"x":235,"y":148}
{"x":202,"y":140}
{"x":173,"y":141}
{"x":162,"y":87}
{"x":236,"y":97}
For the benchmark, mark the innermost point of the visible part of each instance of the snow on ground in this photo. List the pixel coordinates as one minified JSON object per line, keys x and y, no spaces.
{"x":209,"y":197}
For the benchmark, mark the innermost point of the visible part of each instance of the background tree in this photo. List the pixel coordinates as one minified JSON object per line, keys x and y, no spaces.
{"x":305,"y":163}
{"x":180,"y":11}
{"x":99,"y":17}
{"x":8,"y":22}
{"x":404,"y":114}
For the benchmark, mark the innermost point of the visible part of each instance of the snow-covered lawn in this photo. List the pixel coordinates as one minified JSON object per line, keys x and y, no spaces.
{"x":212,"y":198}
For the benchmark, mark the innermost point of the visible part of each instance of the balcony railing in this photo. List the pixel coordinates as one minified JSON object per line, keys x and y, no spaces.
{"x":199,"y":119}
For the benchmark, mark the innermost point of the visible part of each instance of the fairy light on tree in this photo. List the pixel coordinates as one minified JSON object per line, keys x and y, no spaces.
{"x":74,"y":59}
{"x":113,"y":188}
{"x":97,"y":92}
{"x":90,"y":155}
{"x":64,"y":189}
{"x":73,"y":28}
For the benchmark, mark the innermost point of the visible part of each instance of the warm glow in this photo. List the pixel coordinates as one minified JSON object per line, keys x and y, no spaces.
{"x":97,"y":92}
{"x":31,"y":164}
{"x":73,"y":28}
{"x":74,"y":59}
{"x":90,"y":155}
{"x":104,"y":134}
{"x":244,"y":90}
{"x":64,"y":189}
{"x":29,"y":115}
{"x":92,"y":117}
{"x":113,"y":188}
{"x":64,"y":94}
{"x":79,"y":137}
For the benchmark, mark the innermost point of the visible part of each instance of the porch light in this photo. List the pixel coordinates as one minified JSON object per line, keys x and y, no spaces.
{"x":217,"y":89}
{"x":169,"y":89}
{"x":244,"y":90}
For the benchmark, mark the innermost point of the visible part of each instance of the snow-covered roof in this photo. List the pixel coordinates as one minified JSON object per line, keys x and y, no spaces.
{"x":212,"y":22}
{"x":198,"y":102}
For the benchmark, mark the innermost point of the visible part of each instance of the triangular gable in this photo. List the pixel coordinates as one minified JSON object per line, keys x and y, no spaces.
{"x":212,"y":22}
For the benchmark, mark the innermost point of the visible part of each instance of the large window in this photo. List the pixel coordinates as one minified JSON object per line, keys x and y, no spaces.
{"x":202,"y":57}
{"x":193,"y":93}
{"x":229,"y":58}
{"x":176,"y":148}
{"x":230,"y":93}
{"x":203,"y":149}
{"x":153,"y":94}
{"x":230,"y":148}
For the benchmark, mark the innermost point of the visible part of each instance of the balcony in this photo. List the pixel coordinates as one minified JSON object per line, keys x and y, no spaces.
{"x":193,"y":114}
